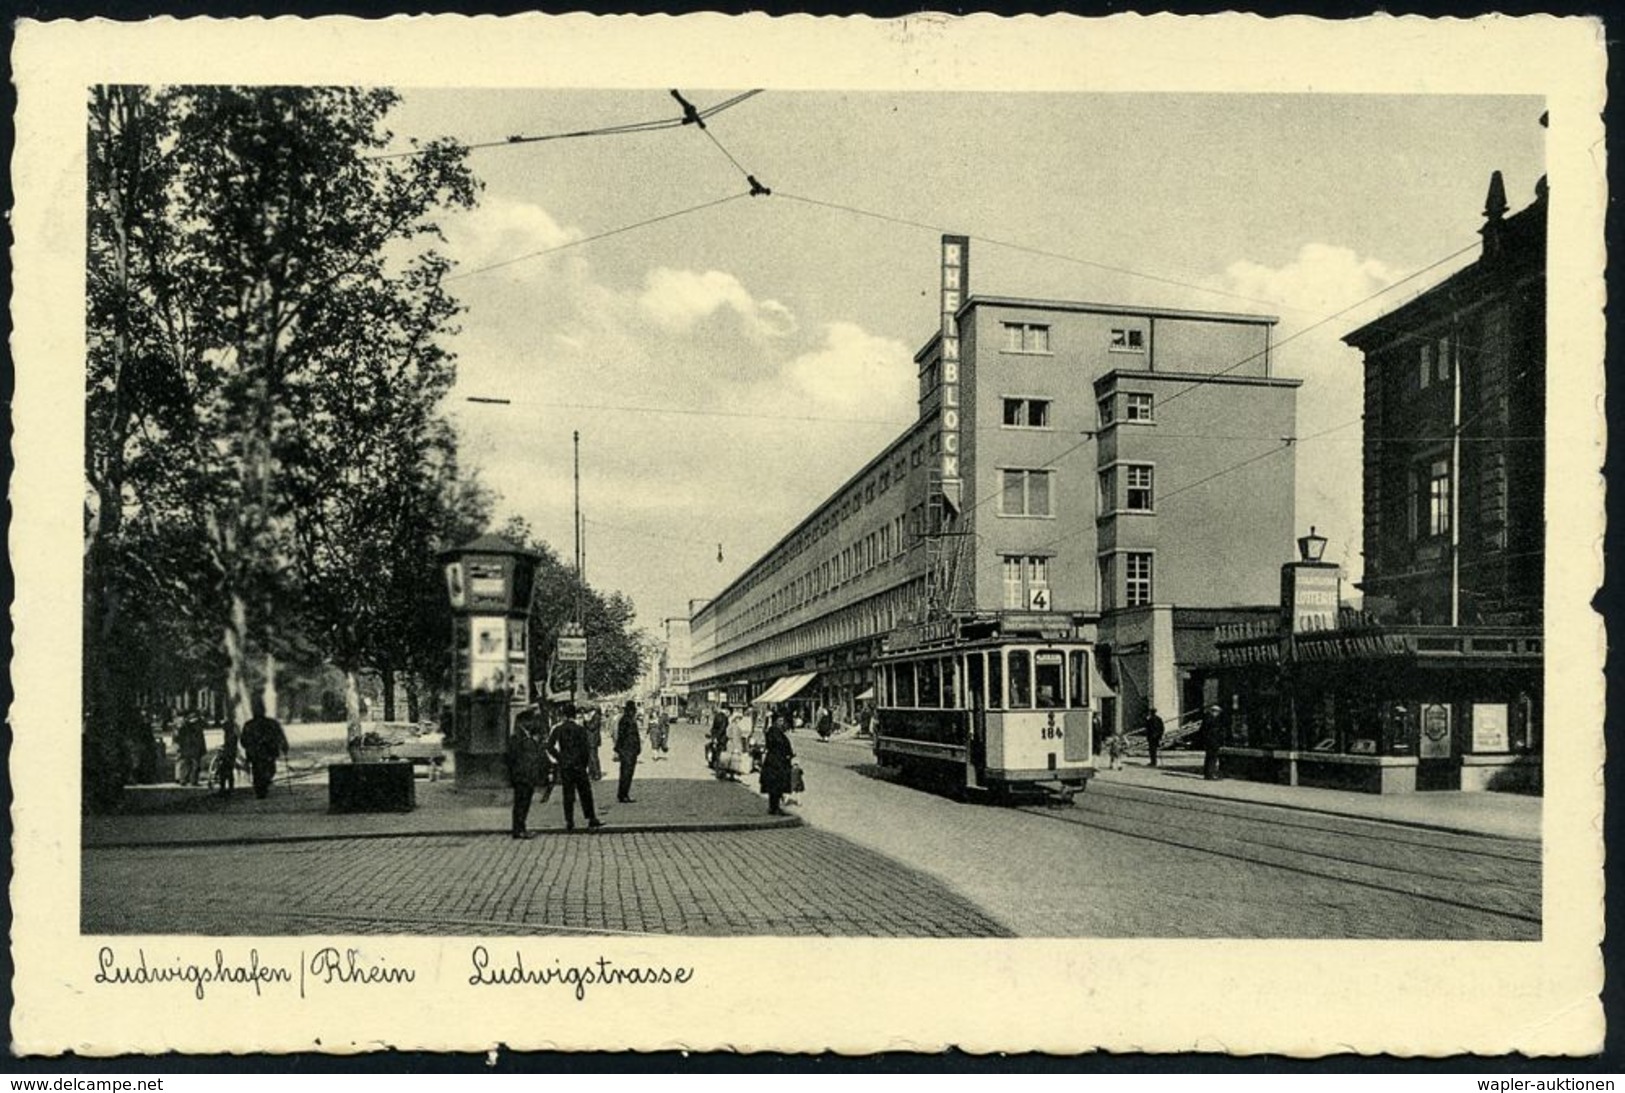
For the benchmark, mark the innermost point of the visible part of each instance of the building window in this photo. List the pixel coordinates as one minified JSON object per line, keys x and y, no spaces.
{"x":936,"y":443}
{"x":1443,"y":359}
{"x":1026,"y":582}
{"x":1136,"y":580}
{"x":916,"y":457}
{"x":1127,"y":339}
{"x":1025,"y":493}
{"x":1029,"y":413}
{"x":885,"y":481}
{"x":1138,"y":479}
{"x":1026,"y":338}
{"x":930,"y":380}
{"x":1108,"y":410}
{"x":1139,"y":406}
{"x":1424,"y":369}
{"x":1438,"y":497}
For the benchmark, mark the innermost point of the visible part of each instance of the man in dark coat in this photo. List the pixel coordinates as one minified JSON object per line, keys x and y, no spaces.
{"x":571,"y":747}
{"x":628,"y":746}
{"x":190,"y":744}
{"x":263,"y":742}
{"x":595,"y":732}
{"x":526,"y":758}
{"x":718,"y":738}
{"x":1212,"y":740}
{"x":776,"y":766}
{"x":1154,"y":729}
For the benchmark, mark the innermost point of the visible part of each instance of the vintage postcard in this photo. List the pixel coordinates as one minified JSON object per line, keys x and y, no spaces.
{"x":808,"y":534}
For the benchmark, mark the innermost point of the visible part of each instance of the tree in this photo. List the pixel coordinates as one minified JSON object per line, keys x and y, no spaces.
{"x":614,"y":658}
{"x":260,"y":285}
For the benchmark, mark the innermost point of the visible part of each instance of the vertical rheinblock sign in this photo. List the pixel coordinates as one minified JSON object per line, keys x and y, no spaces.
{"x":955,"y":283}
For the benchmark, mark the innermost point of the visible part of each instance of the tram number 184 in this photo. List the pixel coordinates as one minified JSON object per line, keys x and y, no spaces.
{"x":1052,"y":731}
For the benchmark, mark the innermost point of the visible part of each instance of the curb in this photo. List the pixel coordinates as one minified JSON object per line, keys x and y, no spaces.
{"x":764,"y":824}
{"x":1417,"y":824}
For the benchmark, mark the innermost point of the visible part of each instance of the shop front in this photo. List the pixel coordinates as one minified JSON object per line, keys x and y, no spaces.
{"x":1384,"y":709}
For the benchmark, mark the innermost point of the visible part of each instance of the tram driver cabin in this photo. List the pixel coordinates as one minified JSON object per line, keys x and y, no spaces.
{"x":1081,"y":435}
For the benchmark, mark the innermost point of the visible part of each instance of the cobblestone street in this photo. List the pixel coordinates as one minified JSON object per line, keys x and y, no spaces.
{"x":794,"y":882}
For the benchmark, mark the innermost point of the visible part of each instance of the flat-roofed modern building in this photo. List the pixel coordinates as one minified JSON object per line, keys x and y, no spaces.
{"x":1095,"y":468}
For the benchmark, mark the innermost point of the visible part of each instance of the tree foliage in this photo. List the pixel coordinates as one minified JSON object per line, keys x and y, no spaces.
{"x":266,"y":469}
{"x":615,"y":658}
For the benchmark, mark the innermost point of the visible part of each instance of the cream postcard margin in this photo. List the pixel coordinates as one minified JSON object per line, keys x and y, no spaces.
{"x":1306,"y":998}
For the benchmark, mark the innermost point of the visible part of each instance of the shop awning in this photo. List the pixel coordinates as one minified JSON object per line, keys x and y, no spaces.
{"x":784,"y":689}
{"x":1097,"y":682}
{"x":867,"y":694}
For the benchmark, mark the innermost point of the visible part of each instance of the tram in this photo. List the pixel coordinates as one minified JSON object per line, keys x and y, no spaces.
{"x":1006,"y":714}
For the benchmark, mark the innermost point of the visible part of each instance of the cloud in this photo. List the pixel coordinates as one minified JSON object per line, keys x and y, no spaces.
{"x":855,"y":370}
{"x":501,"y":230}
{"x":1323,"y":293}
{"x":1322,"y":279}
{"x":676,"y":299}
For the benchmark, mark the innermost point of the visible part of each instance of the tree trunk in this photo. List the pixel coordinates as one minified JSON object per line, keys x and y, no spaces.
{"x":414,"y":711}
{"x":387,"y":675}
{"x":239,"y":703}
{"x":352,"y":707}
{"x":268,"y":693}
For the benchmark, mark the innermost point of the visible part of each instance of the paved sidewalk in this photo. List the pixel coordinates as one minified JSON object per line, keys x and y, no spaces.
{"x":1503,"y":815}
{"x":174,"y":816}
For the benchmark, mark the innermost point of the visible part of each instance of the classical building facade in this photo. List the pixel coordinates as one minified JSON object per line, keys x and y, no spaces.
{"x":1437,"y":683}
{"x":1060,"y":472}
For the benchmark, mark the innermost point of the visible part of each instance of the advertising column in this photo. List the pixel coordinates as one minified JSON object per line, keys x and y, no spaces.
{"x":488,"y":582}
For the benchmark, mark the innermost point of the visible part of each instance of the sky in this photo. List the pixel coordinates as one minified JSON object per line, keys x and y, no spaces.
{"x":727,"y":368}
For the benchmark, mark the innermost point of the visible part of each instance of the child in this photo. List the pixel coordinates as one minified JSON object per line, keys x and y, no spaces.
{"x":1116,"y":747}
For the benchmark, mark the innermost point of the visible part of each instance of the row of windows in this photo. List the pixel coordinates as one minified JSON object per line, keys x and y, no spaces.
{"x":998,"y":679}
{"x":1125,"y":579}
{"x":1127,"y":487}
{"x":1137,"y":406}
{"x":821,"y":576}
{"x":1034,"y":413}
{"x":1433,"y":363}
{"x":1429,"y":505}
{"x":871,"y":617}
{"x":1034,"y":338}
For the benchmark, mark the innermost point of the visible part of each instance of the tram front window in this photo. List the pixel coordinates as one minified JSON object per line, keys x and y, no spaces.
{"x":975,"y":693}
{"x":995,"y":680}
{"x":1021,"y":680}
{"x":1049,"y":670}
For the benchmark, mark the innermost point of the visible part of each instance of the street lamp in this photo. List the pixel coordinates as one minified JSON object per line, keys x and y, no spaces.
{"x":1311,"y":547}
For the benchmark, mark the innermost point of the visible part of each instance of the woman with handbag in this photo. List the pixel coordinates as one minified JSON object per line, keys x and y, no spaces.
{"x":776,"y":766}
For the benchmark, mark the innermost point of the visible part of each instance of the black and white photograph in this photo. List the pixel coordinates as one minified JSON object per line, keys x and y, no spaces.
{"x":565,"y":536}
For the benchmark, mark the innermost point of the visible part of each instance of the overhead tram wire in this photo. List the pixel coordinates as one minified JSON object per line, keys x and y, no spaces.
{"x":1296,"y":334}
{"x":1025,"y":249}
{"x":601,"y":131}
{"x":687,"y":412}
{"x":1090,"y":435}
{"x":593,"y":238}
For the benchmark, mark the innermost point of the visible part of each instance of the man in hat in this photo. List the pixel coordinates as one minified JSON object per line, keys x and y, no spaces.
{"x":526,"y":759}
{"x":571,"y":748}
{"x":628,"y":746}
{"x":1212,"y":740}
{"x":1154,"y":729}
{"x":263,"y":742}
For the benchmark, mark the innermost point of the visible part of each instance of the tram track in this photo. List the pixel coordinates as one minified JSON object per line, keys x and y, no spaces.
{"x":1505,"y":896}
{"x":1489,"y":847}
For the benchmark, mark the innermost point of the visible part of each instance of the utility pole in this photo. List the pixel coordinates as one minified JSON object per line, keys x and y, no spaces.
{"x":580,"y":688}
